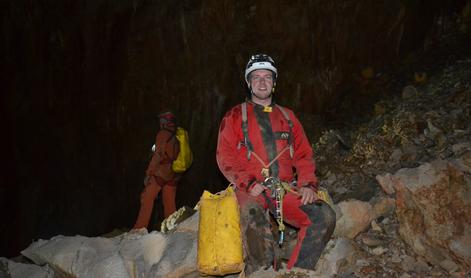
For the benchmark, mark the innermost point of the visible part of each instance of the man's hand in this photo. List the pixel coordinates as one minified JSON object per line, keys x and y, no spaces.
{"x":308,"y":195}
{"x":256,"y":190}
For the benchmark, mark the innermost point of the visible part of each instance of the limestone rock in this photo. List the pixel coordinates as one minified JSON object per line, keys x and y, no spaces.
{"x":12,"y":269}
{"x":124,"y":256}
{"x":134,"y":254}
{"x":386,"y":183}
{"x":433,"y":204}
{"x":190,"y":224}
{"x":353,"y":217}
{"x":141,"y":253}
{"x":338,"y":252}
{"x":179,"y":257}
{"x":383,"y":206}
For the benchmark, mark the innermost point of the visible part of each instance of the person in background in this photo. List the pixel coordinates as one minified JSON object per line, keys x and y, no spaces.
{"x":260,"y":141}
{"x":159,"y":173}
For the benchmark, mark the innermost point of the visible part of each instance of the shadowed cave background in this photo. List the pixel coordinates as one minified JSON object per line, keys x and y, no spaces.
{"x":83,"y":82}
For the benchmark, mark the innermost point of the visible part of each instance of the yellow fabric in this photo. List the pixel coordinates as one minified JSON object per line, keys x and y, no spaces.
{"x":219,"y":239}
{"x":323,"y":194}
{"x":185,"y":156}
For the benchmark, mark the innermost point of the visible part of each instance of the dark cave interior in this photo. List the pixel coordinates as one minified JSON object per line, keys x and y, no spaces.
{"x":83,"y":82}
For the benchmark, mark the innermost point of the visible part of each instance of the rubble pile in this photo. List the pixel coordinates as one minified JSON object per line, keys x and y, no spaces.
{"x":421,"y":124}
{"x":415,"y":151}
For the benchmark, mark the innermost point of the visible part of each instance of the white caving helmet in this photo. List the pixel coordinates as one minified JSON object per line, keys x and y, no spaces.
{"x":260,"y":61}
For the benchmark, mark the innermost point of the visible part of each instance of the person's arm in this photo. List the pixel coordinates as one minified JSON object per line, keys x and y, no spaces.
{"x":157,"y":157}
{"x":303,"y":158}
{"x":230,"y":162}
{"x":304,"y":163}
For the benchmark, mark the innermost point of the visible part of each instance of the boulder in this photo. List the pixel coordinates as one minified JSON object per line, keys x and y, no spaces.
{"x":383,"y":206}
{"x":339,"y":252}
{"x":12,"y":269}
{"x":353,"y":217}
{"x":386,"y":183}
{"x":433,"y":205}
{"x":179,"y":257}
{"x":128,"y":255}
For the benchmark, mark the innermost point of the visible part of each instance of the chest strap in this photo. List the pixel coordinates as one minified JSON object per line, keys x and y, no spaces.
{"x":245,"y":130}
{"x":248,"y":144}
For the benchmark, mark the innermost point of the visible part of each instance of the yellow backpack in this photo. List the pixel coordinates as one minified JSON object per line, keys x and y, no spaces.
{"x":185,"y":156}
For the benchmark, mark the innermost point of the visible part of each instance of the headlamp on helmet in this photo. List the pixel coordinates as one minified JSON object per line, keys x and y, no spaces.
{"x":260,"y":61}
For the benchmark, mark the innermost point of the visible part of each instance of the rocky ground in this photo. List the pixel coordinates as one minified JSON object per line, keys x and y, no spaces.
{"x":427,"y":120}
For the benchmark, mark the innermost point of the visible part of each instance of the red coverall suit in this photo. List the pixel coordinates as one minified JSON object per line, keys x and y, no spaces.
{"x":268,"y":133}
{"x":160,"y":177}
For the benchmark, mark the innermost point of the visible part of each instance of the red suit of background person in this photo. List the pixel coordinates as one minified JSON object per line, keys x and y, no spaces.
{"x":159,"y":174}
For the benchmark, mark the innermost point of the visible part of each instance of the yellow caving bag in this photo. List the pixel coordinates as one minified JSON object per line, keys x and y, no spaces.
{"x":219,"y":238}
{"x":185,"y":156}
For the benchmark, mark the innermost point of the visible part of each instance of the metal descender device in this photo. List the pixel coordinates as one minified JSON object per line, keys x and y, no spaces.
{"x":278,"y":190}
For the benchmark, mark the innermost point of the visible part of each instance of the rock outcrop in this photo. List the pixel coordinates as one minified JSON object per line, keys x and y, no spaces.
{"x":433,"y":209}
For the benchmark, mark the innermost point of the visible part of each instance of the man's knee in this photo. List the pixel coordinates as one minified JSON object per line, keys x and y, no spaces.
{"x":150,"y":192}
{"x":320,"y":213}
{"x":253,"y":214}
{"x":258,"y":237}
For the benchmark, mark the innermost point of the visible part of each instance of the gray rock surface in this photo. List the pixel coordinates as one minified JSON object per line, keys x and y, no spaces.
{"x":12,"y":269}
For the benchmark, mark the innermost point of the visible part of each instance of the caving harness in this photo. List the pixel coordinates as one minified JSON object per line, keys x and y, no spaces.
{"x":277,"y":187}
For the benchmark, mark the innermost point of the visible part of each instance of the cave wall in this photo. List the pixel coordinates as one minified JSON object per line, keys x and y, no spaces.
{"x":83,"y":81}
